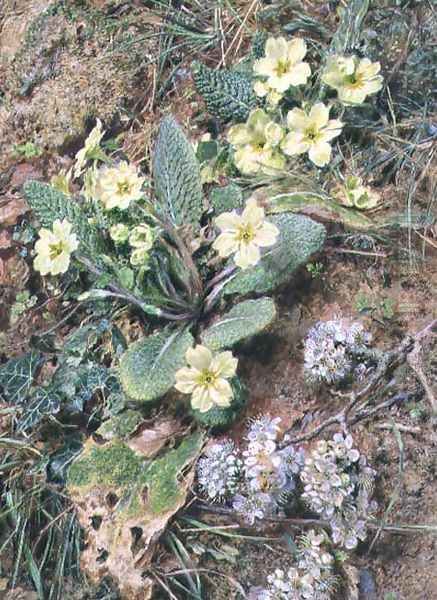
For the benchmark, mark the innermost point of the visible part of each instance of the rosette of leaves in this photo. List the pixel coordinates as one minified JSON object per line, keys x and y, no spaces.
{"x":186,"y":293}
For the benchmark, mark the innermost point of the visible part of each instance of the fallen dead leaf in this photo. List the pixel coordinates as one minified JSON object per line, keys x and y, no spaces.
{"x":5,"y":239}
{"x":149,"y":442}
{"x":11,"y":208}
{"x":14,"y":271}
{"x":22,"y":173}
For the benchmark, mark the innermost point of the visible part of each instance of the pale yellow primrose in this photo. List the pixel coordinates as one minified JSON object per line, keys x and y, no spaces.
{"x":353,"y":78}
{"x":311,"y":132}
{"x":54,"y":248}
{"x":206,"y":378}
{"x":92,"y":143}
{"x":141,"y":236}
{"x":354,"y":193}
{"x":243,"y":235}
{"x":119,"y":233}
{"x":257,"y":144}
{"x":118,"y":186}
{"x":282,"y":65}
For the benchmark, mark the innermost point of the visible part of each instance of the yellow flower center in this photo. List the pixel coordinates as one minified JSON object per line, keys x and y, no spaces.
{"x":312,"y":134}
{"x":245,"y":234}
{"x":207,"y":378}
{"x":123,"y":187}
{"x":55,"y":250}
{"x":354,"y":81}
{"x":282,"y":67}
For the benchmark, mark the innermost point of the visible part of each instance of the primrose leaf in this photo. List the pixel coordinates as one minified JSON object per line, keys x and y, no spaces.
{"x":17,"y":375}
{"x":49,"y":204}
{"x":243,"y":321}
{"x":44,"y":401}
{"x":176,"y":175}
{"x":148,"y":367}
{"x":299,"y":238}
{"x":314,"y":205}
{"x":227,"y":198}
{"x":228,"y":95}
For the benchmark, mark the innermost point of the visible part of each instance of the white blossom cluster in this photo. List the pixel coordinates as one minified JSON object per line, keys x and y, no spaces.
{"x":332,"y":351}
{"x":218,"y":471}
{"x":260,"y":481}
{"x":338,"y":485}
{"x":310,"y":578}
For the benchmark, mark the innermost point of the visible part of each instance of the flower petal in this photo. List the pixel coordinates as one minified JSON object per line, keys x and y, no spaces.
{"x":228,"y":221}
{"x":253,"y":213}
{"x":320,"y":154}
{"x":224,"y":364}
{"x":319,"y":115}
{"x":331,"y":131}
{"x":221,"y":394}
{"x":199,"y":357}
{"x":294,"y":143}
{"x":226,"y":244}
{"x":201,"y":399}
{"x":247,"y":255}
{"x":297,"y":119}
{"x":186,"y":380}
{"x":296,"y":50}
{"x":276,"y":48}
{"x":266,"y":235}
{"x":239,"y":135}
{"x":299,"y":74}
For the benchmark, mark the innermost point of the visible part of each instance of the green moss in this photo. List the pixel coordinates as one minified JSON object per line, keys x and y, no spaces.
{"x":163,"y":474}
{"x":120,"y":426}
{"x":112,"y":465}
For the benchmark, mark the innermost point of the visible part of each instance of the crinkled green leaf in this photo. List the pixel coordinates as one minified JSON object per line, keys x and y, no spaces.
{"x":243,"y":321}
{"x":176,"y":174}
{"x":228,"y":95}
{"x":17,"y":375}
{"x":227,"y":198}
{"x":299,"y":238}
{"x":148,"y":367}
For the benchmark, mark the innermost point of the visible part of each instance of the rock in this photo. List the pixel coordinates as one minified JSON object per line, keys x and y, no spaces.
{"x":367,"y":585}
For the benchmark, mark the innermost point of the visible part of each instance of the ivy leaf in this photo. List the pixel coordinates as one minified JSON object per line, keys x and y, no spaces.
{"x":59,"y":461}
{"x":17,"y":375}
{"x":243,"y":321}
{"x":148,"y":367}
{"x":43,"y":402}
{"x":299,"y":238}
{"x":176,"y":175}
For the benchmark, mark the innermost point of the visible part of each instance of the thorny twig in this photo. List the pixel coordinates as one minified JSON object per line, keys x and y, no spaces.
{"x":350,"y":414}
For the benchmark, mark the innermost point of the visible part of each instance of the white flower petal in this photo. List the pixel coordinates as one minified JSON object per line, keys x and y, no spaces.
{"x":199,"y":357}
{"x":320,"y":154}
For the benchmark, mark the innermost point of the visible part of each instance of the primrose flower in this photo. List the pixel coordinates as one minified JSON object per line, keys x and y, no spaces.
{"x":119,"y":233}
{"x":353,"y":78}
{"x":206,"y":378}
{"x":91,"y":146}
{"x":141,"y":237}
{"x":282,"y":64}
{"x":54,"y":248}
{"x":262,"y":90}
{"x":257,"y":144}
{"x":243,"y":235}
{"x":139,"y":257}
{"x":311,"y":132}
{"x":354,"y":193}
{"x":118,"y":186}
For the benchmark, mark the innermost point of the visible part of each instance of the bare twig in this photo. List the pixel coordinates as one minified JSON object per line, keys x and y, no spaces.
{"x":350,"y":414}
